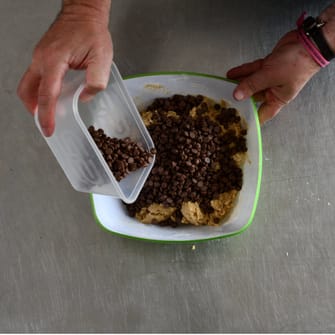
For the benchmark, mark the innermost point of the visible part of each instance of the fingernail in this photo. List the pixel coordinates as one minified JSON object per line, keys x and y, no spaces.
{"x":46,"y":131}
{"x":85,"y":97}
{"x":238,"y":95}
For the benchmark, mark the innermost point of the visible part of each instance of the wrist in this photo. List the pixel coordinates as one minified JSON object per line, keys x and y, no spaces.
{"x":312,"y":38}
{"x":310,"y":64}
{"x":86,"y":10}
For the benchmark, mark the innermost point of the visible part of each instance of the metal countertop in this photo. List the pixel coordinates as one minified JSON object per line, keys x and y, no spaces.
{"x":61,"y":272}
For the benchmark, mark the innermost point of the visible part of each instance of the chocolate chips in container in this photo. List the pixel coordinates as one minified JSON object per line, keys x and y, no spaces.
{"x":122,"y":155}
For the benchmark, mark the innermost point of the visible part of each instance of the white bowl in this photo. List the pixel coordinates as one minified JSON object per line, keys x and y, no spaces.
{"x":110,"y":213}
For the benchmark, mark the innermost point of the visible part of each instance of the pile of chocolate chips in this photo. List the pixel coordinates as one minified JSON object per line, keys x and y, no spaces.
{"x":194,"y":160}
{"x":122,"y":155}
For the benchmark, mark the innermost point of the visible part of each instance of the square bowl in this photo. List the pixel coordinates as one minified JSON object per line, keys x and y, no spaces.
{"x":114,"y":111}
{"x":111,"y":214}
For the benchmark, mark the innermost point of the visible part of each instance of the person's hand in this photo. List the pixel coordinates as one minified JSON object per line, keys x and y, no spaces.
{"x":72,"y":42}
{"x":276,"y":79}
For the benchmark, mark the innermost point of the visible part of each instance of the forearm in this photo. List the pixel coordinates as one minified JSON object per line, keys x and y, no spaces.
{"x":91,"y":10}
{"x":328,"y":16}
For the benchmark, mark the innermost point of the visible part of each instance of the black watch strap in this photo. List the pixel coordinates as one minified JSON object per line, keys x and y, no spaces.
{"x":312,"y":28}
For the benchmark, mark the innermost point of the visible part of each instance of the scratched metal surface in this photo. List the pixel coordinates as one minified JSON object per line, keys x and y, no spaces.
{"x":61,"y":272}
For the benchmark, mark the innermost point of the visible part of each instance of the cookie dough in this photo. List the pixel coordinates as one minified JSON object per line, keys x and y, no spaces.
{"x":196,"y":140}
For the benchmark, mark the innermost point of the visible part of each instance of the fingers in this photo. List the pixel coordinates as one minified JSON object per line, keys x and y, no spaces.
{"x":42,"y":91}
{"x":28,"y":90}
{"x":244,"y":70}
{"x":269,"y":109}
{"x":97,"y":76}
{"x":253,"y":80}
{"x":48,"y":93}
{"x":255,"y":83}
{"x":259,"y":96}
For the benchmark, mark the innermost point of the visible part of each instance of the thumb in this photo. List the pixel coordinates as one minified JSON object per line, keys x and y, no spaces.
{"x":250,"y":85}
{"x":97,"y":76}
{"x":268,"y":110}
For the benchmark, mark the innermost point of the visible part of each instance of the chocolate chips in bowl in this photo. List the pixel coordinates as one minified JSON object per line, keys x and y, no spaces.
{"x":201,"y":148}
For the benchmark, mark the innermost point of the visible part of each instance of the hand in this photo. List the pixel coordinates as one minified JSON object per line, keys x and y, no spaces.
{"x":276,"y":79}
{"x":70,"y":43}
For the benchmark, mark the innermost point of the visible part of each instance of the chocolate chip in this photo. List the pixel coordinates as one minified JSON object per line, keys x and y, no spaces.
{"x":194,"y":160}
{"x":122,"y":155}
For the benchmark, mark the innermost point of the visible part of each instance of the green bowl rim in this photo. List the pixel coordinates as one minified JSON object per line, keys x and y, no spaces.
{"x":259,"y":178}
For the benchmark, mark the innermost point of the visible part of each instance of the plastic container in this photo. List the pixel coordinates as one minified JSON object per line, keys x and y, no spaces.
{"x":114,"y":111}
{"x":111,"y":214}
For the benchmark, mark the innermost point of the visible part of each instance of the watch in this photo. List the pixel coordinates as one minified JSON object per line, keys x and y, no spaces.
{"x":312,"y":28}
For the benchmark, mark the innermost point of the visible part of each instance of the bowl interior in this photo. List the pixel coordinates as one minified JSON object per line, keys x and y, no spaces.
{"x":110,"y":212}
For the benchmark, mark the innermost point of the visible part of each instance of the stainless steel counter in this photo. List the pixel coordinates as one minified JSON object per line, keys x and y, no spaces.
{"x":61,"y":272}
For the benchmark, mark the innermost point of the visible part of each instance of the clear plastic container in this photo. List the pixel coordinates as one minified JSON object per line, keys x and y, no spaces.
{"x":114,"y":111}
